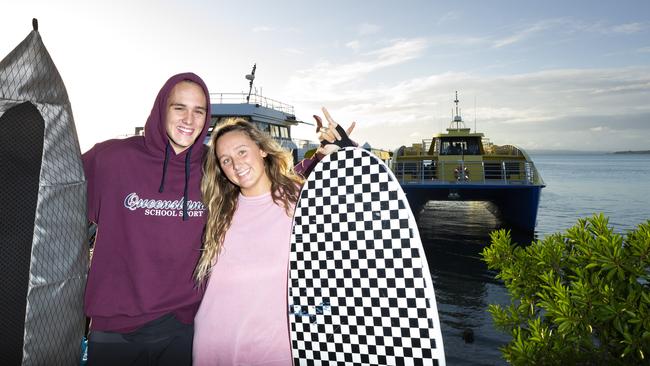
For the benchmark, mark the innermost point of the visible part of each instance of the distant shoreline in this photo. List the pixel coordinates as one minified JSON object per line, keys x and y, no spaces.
{"x":633,"y":152}
{"x":579,"y":152}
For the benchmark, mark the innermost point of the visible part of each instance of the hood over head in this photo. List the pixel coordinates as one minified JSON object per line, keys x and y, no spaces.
{"x":155,"y":134}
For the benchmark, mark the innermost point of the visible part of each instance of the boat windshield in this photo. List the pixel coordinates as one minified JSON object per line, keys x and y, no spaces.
{"x":460,"y":146}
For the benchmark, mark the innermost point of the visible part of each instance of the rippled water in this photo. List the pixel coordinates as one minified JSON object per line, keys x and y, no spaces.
{"x":454,"y":233}
{"x":579,"y":185}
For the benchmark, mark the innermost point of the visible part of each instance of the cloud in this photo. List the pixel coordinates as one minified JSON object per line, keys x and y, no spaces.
{"x":448,"y":17}
{"x":327,"y":78}
{"x":267,"y":29}
{"x":523,"y":34}
{"x":262,"y":28}
{"x":294,"y":51}
{"x":353,"y":45}
{"x":629,"y":28}
{"x":564,"y":108}
{"x":445,"y":40}
{"x":566,"y":26}
{"x":400,"y":50}
{"x":641,"y":86}
{"x":602,"y":27}
{"x":366,"y":29}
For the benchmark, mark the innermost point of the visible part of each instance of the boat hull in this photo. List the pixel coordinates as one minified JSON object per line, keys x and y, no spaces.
{"x":517,"y":204}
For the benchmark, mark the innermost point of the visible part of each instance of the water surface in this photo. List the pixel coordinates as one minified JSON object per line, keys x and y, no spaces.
{"x":454,"y":233}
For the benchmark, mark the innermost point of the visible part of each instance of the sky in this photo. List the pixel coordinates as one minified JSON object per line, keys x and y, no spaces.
{"x":551,"y":75}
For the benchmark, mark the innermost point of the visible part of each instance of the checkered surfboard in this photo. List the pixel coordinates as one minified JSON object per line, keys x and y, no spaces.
{"x":360,"y":291}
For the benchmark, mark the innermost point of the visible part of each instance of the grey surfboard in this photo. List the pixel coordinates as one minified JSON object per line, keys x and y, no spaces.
{"x":43,"y":227}
{"x":360,"y":291}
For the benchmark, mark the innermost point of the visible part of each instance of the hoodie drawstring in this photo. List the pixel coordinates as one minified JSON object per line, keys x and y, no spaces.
{"x":187,"y":179}
{"x":162,"y":181}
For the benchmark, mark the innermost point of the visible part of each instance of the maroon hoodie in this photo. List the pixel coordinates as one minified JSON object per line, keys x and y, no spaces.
{"x":146,"y":201}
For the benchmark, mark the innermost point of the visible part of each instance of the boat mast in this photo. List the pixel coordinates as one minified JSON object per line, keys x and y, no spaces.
{"x":474,"y":113}
{"x":457,"y":119}
{"x":250,"y":77}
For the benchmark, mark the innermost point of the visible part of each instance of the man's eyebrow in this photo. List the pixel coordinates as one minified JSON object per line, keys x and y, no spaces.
{"x":204,"y":109}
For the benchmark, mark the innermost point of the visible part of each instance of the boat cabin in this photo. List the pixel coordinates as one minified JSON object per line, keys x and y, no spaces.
{"x":269,"y":115}
{"x":462,"y":156}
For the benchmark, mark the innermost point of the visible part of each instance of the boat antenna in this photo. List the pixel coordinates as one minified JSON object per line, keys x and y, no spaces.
{"x":474,"y":113}
{"x":456,"y":119}
{"x":250,"y":77}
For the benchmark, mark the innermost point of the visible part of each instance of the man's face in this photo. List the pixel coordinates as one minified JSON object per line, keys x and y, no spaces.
{"x":185,"y":117}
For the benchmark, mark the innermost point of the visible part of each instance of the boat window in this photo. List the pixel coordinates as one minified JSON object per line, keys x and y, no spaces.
{"x":284,"y":132}
{"x":460,"y":146}
{"x":263,"y":127}
{"x":436,"y":146}
{"x":275,"y":131}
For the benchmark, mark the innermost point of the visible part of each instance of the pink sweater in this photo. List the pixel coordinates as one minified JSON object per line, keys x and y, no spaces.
{"x":243,"y":317}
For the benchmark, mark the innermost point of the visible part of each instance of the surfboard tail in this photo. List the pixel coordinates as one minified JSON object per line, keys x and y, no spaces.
{"x":43,"y":229}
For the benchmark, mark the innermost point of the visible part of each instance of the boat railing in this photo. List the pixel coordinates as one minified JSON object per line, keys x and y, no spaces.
{"x":426,"y":144}
{"x":510,"y":150}
{"x":240,"y":98}
{"x":305,"y":144}
{"x":460,"y":171}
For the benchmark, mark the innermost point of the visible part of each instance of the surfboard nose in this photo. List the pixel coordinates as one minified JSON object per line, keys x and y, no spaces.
{"x":360,"y":289}
{"x":43,"y":256}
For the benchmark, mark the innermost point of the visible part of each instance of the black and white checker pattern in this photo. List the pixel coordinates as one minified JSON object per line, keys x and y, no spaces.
{"x":360,"y":291}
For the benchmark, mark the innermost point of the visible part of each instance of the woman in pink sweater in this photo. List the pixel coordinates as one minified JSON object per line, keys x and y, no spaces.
{"x":250,"y":190}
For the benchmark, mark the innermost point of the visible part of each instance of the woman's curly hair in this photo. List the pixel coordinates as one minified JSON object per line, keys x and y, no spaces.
{"x":220,"y":196}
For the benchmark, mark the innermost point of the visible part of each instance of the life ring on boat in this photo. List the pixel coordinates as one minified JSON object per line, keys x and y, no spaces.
{"x":461,"y":173}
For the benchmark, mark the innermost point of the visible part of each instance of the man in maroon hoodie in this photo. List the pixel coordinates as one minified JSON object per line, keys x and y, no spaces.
{"x":144,"y":195}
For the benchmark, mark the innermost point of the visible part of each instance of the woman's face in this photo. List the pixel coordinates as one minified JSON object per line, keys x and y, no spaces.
{"x":243,"y":163}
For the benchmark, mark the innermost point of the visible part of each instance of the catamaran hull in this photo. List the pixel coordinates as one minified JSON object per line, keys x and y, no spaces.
{"x":517,"y":204}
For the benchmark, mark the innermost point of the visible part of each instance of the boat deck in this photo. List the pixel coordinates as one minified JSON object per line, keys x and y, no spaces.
{"x":457,"y":172}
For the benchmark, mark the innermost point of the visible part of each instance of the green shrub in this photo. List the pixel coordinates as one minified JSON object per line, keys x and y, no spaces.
{"x":578,"y":298}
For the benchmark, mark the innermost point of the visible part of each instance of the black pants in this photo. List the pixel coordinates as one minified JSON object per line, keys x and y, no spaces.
{"x":162,"y":342}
